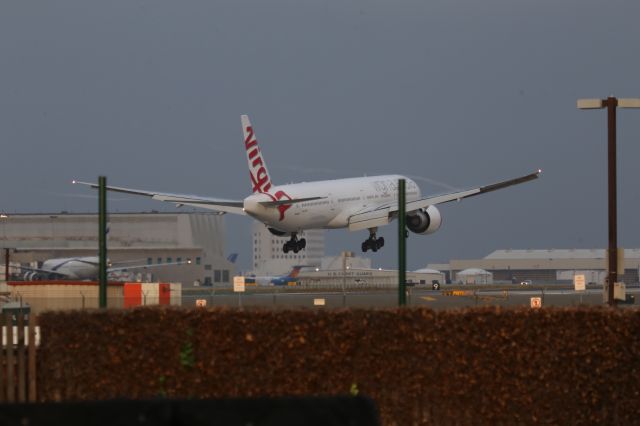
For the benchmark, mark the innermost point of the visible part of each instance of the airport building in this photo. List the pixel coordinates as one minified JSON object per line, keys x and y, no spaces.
{"x":544,"y":266}
{"x":350,"y":270}
{"x":149,"y":238}
{"x":346,"y":260}
{"x":269,"y":259}
{"x":370,"y":278}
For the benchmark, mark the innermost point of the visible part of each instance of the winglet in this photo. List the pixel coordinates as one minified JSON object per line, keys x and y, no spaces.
{"x":510,"y":182}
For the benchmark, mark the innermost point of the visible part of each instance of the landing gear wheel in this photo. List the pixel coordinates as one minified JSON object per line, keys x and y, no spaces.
{"x":372,"y":243}
{"x":294,"y":244}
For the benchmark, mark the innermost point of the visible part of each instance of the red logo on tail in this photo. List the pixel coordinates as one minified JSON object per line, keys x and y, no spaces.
{"x":284,"y":207}
{"x":258,"y":172}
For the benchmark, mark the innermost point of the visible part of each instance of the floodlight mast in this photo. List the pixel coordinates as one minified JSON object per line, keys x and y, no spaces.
{"x":611,"y":103}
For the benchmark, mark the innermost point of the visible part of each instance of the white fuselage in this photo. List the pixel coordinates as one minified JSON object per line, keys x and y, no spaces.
{"x":340,"y":199}
{"x":77,"y":268}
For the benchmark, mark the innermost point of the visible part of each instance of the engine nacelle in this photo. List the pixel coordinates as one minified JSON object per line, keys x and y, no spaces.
{"x":31,"y":276}
{"x":278,"y":233}
{"x":424,"y":221}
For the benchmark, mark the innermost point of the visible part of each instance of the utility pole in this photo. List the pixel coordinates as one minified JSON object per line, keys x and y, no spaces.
{"x":611,"y":103}
{"x":4,"y":217}
{"x":402,"y":244}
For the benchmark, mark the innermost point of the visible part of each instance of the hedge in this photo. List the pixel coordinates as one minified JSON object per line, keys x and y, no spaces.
{"x":487,"y":365}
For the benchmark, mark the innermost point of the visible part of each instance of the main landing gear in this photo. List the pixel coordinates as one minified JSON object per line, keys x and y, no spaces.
{"x":294,"y":244}
{"x":372,"y":242}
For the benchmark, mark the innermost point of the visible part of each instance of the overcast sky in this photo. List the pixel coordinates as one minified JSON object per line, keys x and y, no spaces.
{"x":460,"y":93}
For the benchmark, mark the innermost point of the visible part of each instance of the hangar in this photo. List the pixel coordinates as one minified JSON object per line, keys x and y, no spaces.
{"x":474,"y":276}
{"x":147,"y":238}
{"x":546,"y":265}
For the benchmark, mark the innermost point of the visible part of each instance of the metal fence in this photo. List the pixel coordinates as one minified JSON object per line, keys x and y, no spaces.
{"x":336,"y":294}
{"x":18,"y":358}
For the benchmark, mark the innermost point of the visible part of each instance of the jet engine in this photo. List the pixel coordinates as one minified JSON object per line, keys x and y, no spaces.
{"x":31,"y":276}
{"x":424,"y":221}
{"x":278,"y":233}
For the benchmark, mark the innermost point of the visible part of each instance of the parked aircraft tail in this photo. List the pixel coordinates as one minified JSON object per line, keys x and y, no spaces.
{"x":295,"y":271}
{"x":291,"y":277}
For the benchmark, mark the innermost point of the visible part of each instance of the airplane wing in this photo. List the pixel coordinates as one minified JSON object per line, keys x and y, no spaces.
{"x":145,"y":266}
{"x":380,"y":215}
{"x":218,"y":204}
{"x":459,"y":195}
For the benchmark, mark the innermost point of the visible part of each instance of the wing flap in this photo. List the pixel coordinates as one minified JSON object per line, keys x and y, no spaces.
{"x":369,"y":219}
{"x":439,"y":199}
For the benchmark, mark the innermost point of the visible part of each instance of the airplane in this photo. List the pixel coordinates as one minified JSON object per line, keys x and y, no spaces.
{"x":291,"y":277}
{"x":79,"y":268}
{"x":354,"y":203}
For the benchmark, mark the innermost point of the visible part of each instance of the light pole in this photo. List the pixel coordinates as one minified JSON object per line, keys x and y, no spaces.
{"x":611,"y":104}
{"x":402,"y":243}
{"x":3,"y":217}
{"x":102,"y":241}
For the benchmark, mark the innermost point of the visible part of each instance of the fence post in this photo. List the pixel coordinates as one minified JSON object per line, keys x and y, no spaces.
{"x":3,"y":362}
{"x":32,"y":357}
{"x":11,"y":390}
{"x":22,"y":371}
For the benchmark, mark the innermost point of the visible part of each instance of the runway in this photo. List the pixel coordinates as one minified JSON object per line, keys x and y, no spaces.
{"x":440,"y":299}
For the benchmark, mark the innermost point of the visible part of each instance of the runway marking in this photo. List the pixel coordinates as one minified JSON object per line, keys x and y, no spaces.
{"x":428,"y":298}
{"x":457,"y":293}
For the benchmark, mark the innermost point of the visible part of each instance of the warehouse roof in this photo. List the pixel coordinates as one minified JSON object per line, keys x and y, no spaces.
{"x":474,"y":271}
{"x":550,"y":254}
{"x":427,"y":271}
